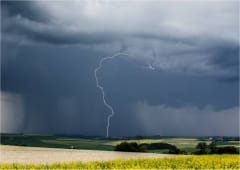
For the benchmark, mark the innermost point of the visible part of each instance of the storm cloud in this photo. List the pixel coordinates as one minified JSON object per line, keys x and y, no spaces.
{"x":172,"y":32}
{"x":50,"y":49}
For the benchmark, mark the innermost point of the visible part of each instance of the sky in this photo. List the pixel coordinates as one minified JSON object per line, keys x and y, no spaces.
{"x":180,"y":77}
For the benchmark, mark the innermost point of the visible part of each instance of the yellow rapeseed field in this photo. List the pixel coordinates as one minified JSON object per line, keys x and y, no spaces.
{"x":182,"y":162}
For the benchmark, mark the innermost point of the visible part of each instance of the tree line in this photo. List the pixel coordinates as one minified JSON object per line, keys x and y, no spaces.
{"x":202,"y":148}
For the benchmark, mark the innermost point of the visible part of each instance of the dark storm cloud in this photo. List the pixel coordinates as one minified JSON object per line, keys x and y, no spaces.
{"x":230,"y":79}
{"x":197,"y":47}
{"x":53,"y":89}
{"x":166,"y":38}
{"x":226,"y":57}
{"x":59,"y":87}
{"x":59,"y":37}
{"x":26,"y":9}
{"x":22,"y":28}
{"x":24,"y":17}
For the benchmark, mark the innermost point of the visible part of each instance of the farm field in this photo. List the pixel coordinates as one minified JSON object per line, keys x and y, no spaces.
{"x":34,"y":155}
{"x":182,"y":162}
{"x":106,"y":144}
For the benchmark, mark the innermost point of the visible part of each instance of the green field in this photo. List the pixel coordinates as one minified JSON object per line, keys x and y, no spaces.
{"x":96,"y":143}
{"x":182,"y":162}
{"x":53,"y":141}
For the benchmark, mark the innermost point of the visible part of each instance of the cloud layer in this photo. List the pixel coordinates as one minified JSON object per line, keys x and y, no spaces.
{"x":177,"y":36}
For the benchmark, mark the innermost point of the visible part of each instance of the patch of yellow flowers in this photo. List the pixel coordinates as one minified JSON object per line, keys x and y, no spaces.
{"x":181,"y":162}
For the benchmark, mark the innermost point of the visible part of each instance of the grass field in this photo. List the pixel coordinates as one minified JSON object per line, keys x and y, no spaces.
{"x":187,"y":162}
{"x":95,"y":143}
{"x":53,"y":141}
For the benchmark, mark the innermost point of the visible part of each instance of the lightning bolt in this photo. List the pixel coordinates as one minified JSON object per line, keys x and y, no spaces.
{"x":102,"y":89}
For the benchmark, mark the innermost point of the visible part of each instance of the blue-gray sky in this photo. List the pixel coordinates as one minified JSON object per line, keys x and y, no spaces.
{"x":51,"y":48}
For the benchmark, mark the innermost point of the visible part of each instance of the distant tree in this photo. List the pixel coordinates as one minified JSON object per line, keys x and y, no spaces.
{"x":202,"y":148}
{"x":175,"y":150}
{"x":130,"y":147}
{"x":212,"y":148}
{"x":160,"y":145}
{"x":227,"y":150}
{"x":139,"y":137}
